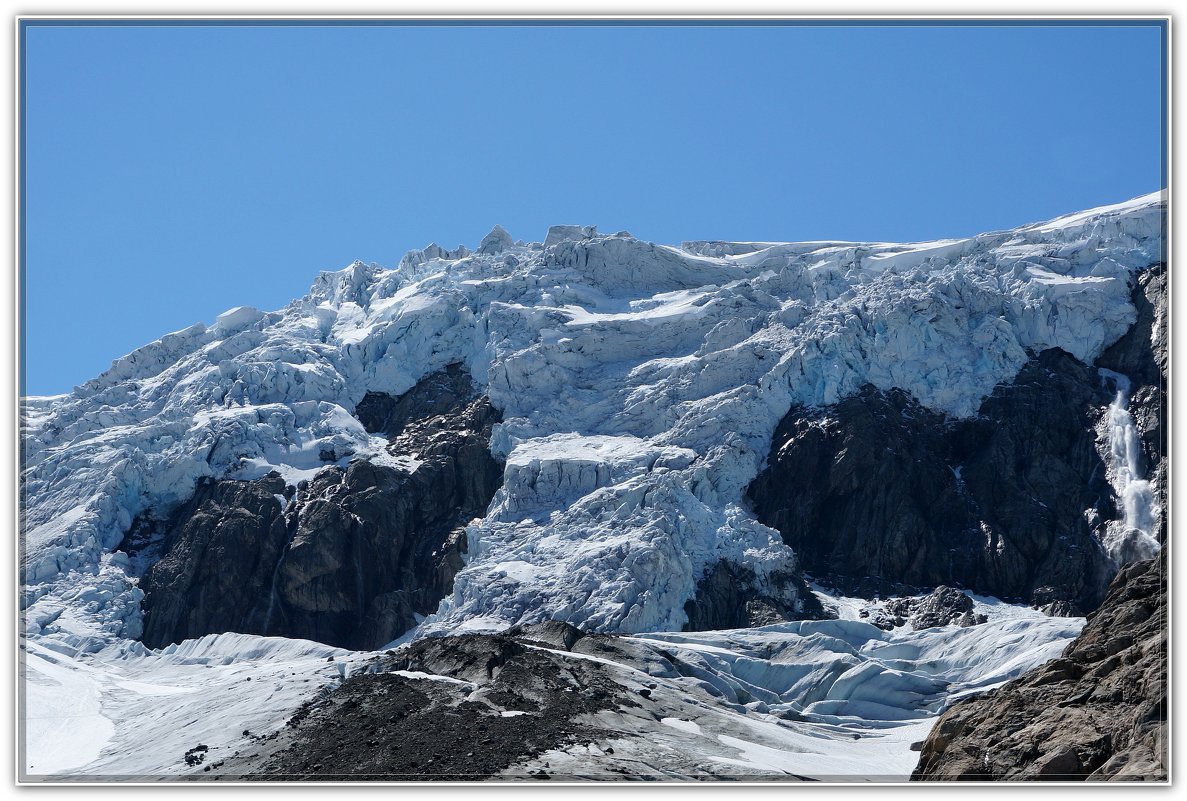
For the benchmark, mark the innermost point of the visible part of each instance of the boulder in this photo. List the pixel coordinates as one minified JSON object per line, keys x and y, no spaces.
{"x":944,"y":607}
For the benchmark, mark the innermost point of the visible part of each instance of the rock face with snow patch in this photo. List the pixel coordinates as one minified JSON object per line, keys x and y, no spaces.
{"x":466,"y":707}
{"x":877,"y":492}
{"x":353,"y":556}
{"x":1097,"y":712}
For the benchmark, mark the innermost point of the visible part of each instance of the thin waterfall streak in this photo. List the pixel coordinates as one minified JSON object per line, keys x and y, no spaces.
{"x":275,"y":577}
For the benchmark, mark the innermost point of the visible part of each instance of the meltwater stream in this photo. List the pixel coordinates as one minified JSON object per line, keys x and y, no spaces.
{"x":1131,"y":538}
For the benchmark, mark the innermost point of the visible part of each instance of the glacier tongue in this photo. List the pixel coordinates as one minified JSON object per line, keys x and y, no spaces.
{"x":639,"y":386}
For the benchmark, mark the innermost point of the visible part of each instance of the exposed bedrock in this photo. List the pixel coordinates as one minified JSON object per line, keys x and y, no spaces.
{"x":879,"y":495}
{"x":1141,"y":353}
{"x":945,"y":606}
{"x":356,"y":554}
{"x":1098,"y":712}
{"x":429,"y":405}
{"x":219,"y":558}
{"x":727,"y":598}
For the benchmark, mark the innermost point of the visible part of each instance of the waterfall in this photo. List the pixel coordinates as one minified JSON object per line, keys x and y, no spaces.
{"x":1131,"y":538}
{"x":272,"y":593}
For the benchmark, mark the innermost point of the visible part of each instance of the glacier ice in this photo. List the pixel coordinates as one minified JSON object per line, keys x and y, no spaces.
{"x":496,"y":241}
{"x":639,"y":386}
{"x":825,"y":699}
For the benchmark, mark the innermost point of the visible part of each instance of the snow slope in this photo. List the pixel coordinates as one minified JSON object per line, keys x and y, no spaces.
{"x":833,"y":699}
{"x":128,"y":713}
{"x":639,"y":384}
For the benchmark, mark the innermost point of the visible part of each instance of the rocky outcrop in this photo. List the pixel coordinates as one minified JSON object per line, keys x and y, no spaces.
{"x":219,"y":559}
{"x":945,"y":606}
{"x":464,"y":707}
{"x":726,"y":598}
{"x":435,"y":398}
{"x":1097,"y":713}
{"x":353,"y":556}
{"x":879,"y":495}
{"x":1142,"y":353}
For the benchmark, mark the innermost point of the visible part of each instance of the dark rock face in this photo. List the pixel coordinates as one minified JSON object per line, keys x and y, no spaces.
{"x":385,"y":725}
{"x":879,"y":495}
{"x":945,"y":606}
{"x":218,"y":563}
{"x":726,"y":599}
{"x":439,"y":394}
{"x":1098,"y":712}
{"x":1142,"y":353}
{"x":355,"y":555}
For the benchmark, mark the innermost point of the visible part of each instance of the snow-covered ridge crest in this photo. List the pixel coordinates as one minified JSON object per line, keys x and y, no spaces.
{"x":651,"y":377}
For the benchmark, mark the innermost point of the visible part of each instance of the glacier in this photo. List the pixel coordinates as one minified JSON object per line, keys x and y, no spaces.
{"x":639,"y":385}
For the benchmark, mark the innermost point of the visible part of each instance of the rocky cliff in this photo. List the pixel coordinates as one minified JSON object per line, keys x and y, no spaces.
{"x":878,"y":495}
{"x":1099,"y":712}
{"x":353,"y":556}
{"x":1059,"y":478}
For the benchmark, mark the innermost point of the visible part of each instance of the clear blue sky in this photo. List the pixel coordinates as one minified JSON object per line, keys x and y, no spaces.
{"x":174,"y":172}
